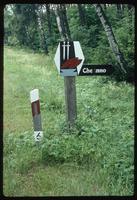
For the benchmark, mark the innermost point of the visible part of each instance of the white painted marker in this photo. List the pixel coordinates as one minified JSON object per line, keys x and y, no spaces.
{"x":64,"y":50}
{"x":34,"y":95}
{"x":35,"y":106}
{"x":68,"y":50}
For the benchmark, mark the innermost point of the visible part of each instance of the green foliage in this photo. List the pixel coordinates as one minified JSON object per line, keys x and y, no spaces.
{"x":67,"y":148}
{"x":126,"y":41}
{"x":19,"y":159}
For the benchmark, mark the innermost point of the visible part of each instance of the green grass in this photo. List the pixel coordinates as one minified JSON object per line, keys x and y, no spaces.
{"x":94,"y":158}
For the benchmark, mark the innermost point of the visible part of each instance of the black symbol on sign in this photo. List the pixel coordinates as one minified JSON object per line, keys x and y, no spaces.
{"x":68,"y":58}
{"x":38,"y":136}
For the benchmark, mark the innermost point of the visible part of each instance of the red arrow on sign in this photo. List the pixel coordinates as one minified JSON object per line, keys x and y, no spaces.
{"x":71,"y":63}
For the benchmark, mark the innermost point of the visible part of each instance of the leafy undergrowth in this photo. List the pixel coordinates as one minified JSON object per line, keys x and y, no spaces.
{"x":95,"y":157}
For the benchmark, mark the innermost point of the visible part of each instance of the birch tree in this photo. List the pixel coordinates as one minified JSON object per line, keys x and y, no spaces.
{"x":43,"y":42}
{"x":59,"y":22}
{"x":65,"y":21}
{"x":111,"y":38}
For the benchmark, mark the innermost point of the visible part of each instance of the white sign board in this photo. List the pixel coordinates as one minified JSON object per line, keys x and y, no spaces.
{"x":69,"y":58}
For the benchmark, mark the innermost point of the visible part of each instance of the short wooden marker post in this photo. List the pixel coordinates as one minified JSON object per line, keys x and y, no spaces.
{"x":35,"y":106}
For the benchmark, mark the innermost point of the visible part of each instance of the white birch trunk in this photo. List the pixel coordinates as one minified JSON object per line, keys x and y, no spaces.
{"x":111,"y":38}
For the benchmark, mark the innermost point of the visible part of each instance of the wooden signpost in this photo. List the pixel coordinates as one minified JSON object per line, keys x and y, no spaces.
{"x":69,"y":60}
{"x":70,"y":99}
{"x":68,"y":56}
{"x":35,"y":106}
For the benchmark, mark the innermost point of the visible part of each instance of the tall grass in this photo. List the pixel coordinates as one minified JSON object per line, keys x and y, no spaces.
{"x":94,"y":158}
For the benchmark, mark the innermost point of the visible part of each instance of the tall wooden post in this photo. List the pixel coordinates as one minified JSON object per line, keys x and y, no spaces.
{"x":69,"y":82}
{"x":70,"y":99}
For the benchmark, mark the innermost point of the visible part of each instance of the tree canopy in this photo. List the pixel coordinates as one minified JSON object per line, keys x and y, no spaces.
{"x":41,"y":26}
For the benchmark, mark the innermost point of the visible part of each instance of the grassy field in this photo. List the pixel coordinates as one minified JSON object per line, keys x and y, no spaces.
{"x":94,"y":158}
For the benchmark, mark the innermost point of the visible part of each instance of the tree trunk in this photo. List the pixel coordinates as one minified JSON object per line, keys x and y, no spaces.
{"x":48,"y":19}
{"x":122,"y":7}
{"x":130,"y":6}
{"x":60,"y":23}
{"x":111,"y":38}
{"x":105,"y":7}
{"x":81,"y":15}
{"x":65,"y":20}
{"x":119,"y":11}
{"x":43,"y":43}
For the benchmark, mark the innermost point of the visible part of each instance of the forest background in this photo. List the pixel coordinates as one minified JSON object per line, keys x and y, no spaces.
{"x":106,"y":32}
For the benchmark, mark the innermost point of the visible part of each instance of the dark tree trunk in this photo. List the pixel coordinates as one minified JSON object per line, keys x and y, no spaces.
{"x":81,"y":12}
{"x":119,"y":11}
{"x":48,"y":18}
{"x":105,"y":7}
{"x":111,"y":38}
{"x":130,"y":6}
